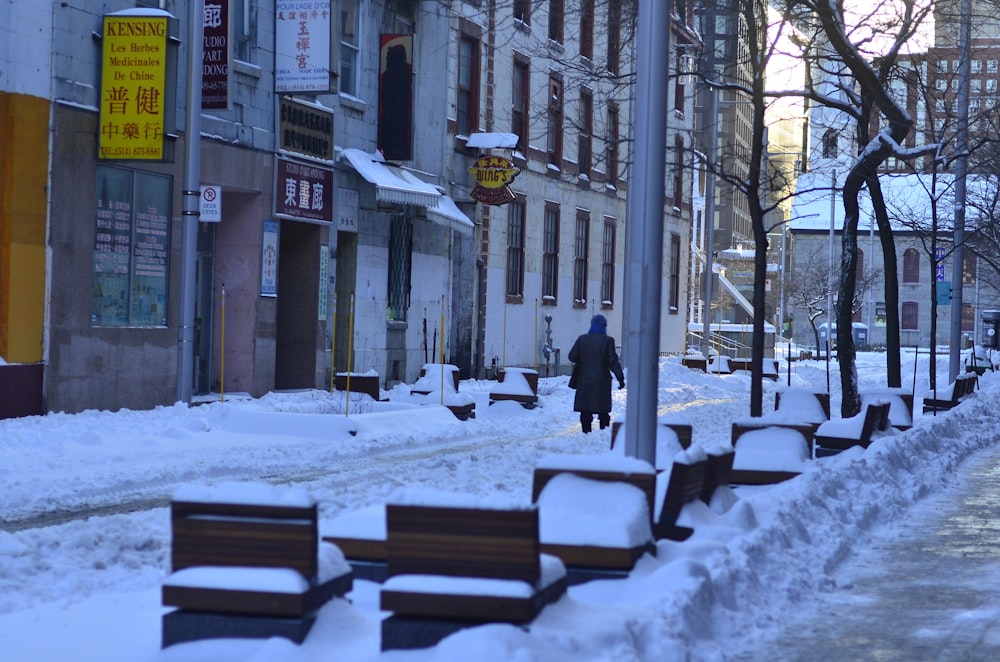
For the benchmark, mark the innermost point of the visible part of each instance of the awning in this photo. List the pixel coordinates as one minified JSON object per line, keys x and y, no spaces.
{"x":492,"y":141}
{"x":392,"y":184}
{"x":448,"y":213}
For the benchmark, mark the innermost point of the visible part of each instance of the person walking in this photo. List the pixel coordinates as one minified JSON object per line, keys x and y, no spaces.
{"x":594,"y":360}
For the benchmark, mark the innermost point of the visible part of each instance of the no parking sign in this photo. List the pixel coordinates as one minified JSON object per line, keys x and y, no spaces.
{"x":210,"y":205}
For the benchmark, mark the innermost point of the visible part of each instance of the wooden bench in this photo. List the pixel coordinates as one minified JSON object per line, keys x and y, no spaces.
{"x":357,"y":383}
{"x":246,"y":569}
{"x":683,"y":432}
{"x":593,"y":542}
{"x":963,"y":386}
{"x":833,"y":436}
{"x":432,"y":379}
{"x":739,"y":428}
{"x":900,"y":405}
{"x":695,"y":362}
{"x":517,"y":384}
{"x":434,"y":550}
{"x":769,"y":367}
{"x":684,"y":484}
{"x":812,"y":406}
{"x":769,"y":453}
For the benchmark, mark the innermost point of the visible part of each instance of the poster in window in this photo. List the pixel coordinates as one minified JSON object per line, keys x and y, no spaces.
{"x":395,"y":97}
{"x":269,"y":260}
{"x":131,"y":248}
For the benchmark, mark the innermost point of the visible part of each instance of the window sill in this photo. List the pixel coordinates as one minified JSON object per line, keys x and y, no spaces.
{"x":514,"y":298}
{"x":352,"y":102}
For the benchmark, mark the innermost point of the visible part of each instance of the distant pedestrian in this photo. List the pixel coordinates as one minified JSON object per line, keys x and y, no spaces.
{"x":595,"y":359}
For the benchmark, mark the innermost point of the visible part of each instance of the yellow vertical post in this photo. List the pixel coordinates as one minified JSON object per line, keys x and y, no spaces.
{"x":350,"y":351}
{"x":442,"y":349}
{"x":222,"y":343}
{"x":333,"y":344}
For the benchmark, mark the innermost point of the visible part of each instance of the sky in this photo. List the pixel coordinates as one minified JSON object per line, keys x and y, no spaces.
{"x":85,"y":539}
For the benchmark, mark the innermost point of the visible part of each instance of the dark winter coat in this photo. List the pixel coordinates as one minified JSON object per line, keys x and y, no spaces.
{"x":596,"y":359}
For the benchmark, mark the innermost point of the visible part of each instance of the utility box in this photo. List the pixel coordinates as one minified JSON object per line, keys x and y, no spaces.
{"x":991,"y":329}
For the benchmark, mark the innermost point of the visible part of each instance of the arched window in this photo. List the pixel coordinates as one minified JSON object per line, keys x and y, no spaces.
{"x":830,"y":144}
{"x":911,"y":266}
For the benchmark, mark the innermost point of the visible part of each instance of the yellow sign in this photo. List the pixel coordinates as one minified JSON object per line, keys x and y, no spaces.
{"x":133,"y":78}
{"x":493,"y":177}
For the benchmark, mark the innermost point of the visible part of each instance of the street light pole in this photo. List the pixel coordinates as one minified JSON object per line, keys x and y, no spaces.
{"x":190,"y":201}
{"x":961,"y":148}
{"x":712,"y":113}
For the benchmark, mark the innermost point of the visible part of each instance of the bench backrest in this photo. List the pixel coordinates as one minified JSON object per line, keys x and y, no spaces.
{"x":685,"y":486}
{"x":223,"y":534}
{"x":644,"y":481}
{"x":876,"y":419}
{"x":739,"y":429}
{"x":718,"y":471}
{"x":463,"y":542}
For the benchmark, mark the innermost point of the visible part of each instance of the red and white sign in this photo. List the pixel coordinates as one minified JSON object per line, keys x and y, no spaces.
{"x":210,"y":205}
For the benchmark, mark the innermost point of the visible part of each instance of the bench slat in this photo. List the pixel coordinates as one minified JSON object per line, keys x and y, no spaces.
{"x":463,"y":542}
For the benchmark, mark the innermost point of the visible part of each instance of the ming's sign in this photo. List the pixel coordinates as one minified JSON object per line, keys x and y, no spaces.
{"x":493,"y":177}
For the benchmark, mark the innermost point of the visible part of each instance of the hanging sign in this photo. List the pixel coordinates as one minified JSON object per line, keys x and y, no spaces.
{"x":493,"y":177}
{"x":210,"y":204}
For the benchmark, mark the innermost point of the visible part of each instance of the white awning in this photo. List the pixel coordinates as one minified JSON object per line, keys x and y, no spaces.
{"x":392,"y":184}
{"x":492,"y":141}
{"x":448,"y":213}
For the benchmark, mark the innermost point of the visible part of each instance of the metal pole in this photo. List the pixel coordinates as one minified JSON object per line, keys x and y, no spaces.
{"x":829,"y":279}
{"x":961,"y":147}
{"x":712,"y":113}
{"x":645,"y":228}
{"x":189,"y":201}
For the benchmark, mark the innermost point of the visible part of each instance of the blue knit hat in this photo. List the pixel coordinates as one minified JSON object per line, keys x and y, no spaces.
{"x":598,"y":324}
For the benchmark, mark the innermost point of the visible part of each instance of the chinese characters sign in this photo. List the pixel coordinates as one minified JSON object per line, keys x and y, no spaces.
{"x":133,"y":75}
{"x":131,"y":248}
{"x":302,"y":191}
{"x":215,"y":56}
{"x":305,"y":129}
{"x":302,"y":46}
{"x":269,"y":260}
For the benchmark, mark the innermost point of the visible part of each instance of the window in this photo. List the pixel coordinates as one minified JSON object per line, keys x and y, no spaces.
{"x":911,"y":266}
{"x":608,"y":263}
{"x":991,"y":66}
{"x":467,"y":113}
{"x":349,"y":47}
{"x":977,"y":85}
{"x":587,"y":29}
{"x":554,"y":143}
{"x":612,"y":145}
{"x":400,"y":254}
{"x":969,"y":267}
{"x":942,"y":66}
{"x":991,"y":86}
{"x":614,"y":36}
{"x":550,"y":253}
{"x":941,"y":84}
{"x":585,"y":140}
{"x":674,"y":295}
{"x":678,"y":171}
{"x":976,"y":66}
{"x":244,"y":27}
{"x":968,"y":317}
{"x":522,"y":11}
{"x":520,"y":99}
{"x":830,"y":144}
{"x":581,"y":248}
{"x":556,"y":20}
{"x":680,"y":75}
{"x":131,"y":268}
{"x":908,"y":318}
{"x":515,"y":250}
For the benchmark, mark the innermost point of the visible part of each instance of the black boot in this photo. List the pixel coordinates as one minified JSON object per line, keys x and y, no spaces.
{"x":586,"y":421}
